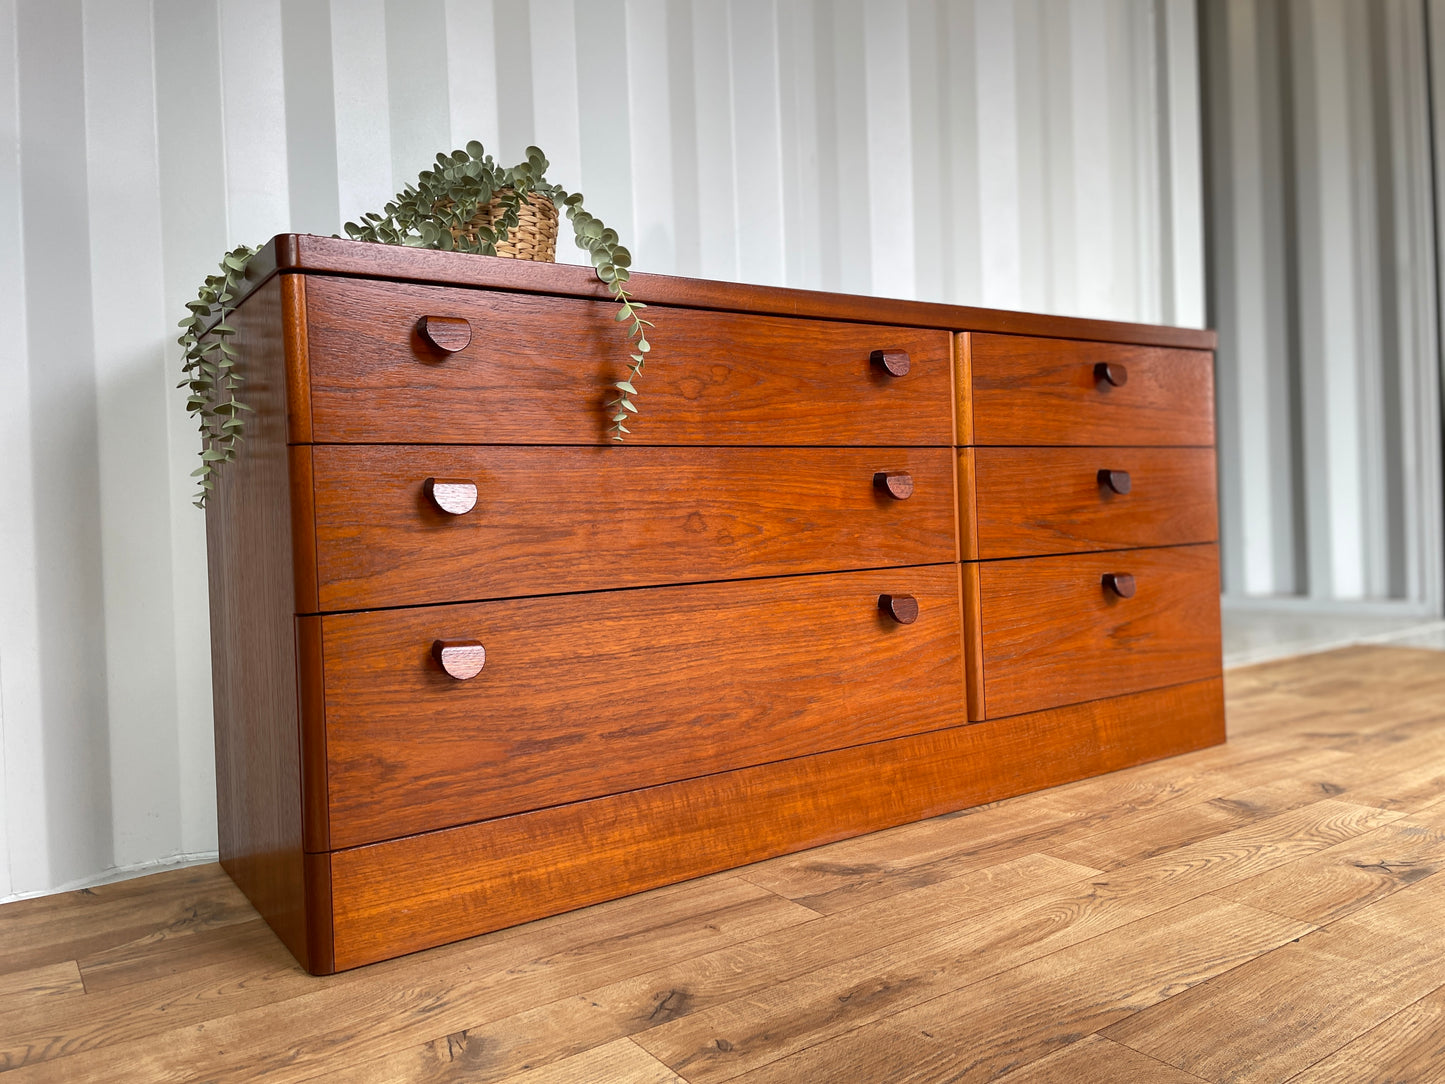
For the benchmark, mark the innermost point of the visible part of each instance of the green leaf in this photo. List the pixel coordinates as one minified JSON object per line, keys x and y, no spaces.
{"x":623,"y":385}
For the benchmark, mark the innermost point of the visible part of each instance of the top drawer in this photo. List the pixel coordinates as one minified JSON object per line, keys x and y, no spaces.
{"x":537,"y":370}
{"x":1056,"y":391}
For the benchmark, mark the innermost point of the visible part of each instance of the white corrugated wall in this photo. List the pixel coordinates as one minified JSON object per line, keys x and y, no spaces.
{"x":1323,"y":286}
{"x":1039,"y":154}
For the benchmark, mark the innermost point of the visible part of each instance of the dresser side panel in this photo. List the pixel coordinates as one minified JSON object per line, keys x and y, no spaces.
{"x":253,"y":645}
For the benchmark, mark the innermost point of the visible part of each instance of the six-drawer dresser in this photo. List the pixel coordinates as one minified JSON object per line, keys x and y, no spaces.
{"x":862,"y":562}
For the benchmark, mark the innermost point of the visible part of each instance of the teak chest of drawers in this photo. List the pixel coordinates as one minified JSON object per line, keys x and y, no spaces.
{"x":863,"y":562}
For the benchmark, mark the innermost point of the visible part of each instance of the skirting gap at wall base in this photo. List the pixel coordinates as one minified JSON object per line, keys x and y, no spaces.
{"x":120,"y":873}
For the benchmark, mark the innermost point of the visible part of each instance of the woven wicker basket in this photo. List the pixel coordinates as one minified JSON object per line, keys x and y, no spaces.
{"x":534,"y":237}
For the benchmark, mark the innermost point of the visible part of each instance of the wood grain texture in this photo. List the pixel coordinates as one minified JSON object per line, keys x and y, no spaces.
{"x":963,"y":389}
{"x":311,"y":718}
{"x":297,"y":354}
{"x":744,"y":972}
{"x":330,"y":255}
{"x":539,"y":370}
{"x":980,"y":1031}
{"x":1031,"y":391}
{"x":1260,"y":1033}
{"x":577,"y":699}
{"x":1035,"y":501}
{"x":1052,"y":634}
{"x":967,"y":488}
{"x":645,"y":516}
{"x":303,"y":528}
{"x":973,"y":663}
{"x":424,"y":890}
{"x":1408,"y":1046}
{"x":253,"y":645}
{"x":1099,"y":1059}
{"x":184,"y":983}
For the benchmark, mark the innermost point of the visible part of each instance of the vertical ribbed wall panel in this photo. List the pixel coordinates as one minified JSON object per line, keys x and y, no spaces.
{"x":1026,"y":154}
{"x":1323,"y":289}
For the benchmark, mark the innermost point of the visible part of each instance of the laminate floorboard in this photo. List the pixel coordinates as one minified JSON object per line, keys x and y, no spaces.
{"x":1266,"y":910}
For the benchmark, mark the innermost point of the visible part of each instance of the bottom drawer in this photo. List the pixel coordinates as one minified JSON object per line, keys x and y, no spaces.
{"x":591,"y":694}
{"x":407,"y":894}
{"x":1054,"y":632}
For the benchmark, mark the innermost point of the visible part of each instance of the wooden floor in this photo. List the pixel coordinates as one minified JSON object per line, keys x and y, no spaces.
{"x":1267,"y":910}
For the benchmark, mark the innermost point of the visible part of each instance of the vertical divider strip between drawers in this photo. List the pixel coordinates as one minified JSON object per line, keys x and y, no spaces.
{"x":966,"y":488}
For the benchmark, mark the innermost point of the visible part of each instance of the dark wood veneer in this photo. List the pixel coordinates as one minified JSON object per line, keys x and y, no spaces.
{"x":335,"y":256}
{"x":1053,"y":634}
{"x":1035,"y":501}
{"x":1045,"y":391}
{"x":425,"y":890}
{"x":549,"y":520}
{"x":253,"y":644}
{"x":537,"y":370}
{"x":686,"y":680}
{"x":804,"y":601}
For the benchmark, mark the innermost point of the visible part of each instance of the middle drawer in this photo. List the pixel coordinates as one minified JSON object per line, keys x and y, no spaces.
{"x":559,"y":519}
{"x":1034,"y":501}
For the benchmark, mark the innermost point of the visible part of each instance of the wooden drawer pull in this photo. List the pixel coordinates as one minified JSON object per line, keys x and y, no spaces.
{"x":445,"y":333}
{"x":1120,"y":583}
{"x":1117,"y":480}
{"x":455,"y":495}
{"x":898,"y":484}
{"x":902,"y":608}
{"x":1110,"y":372}
{"x":892,"y":362}
{"x":462,"y":659}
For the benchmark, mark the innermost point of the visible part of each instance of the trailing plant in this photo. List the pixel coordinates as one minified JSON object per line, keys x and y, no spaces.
{"x":444,"y":210}
{"x":210,"y":367}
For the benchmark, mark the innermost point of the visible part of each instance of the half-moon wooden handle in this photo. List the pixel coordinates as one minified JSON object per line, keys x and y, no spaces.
{"x":892,"y":362}
{"x":1121,"y":583}
{"x":445,"y":333}
{"x":1117,"y":480}
{"x":462,"y":659}
{"x":898,"y":484}
{"x":1110,"y":372}
{"x":902,"y":608}
{"x":455,"y":495}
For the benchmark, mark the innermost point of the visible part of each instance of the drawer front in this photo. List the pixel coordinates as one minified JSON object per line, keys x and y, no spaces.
{"x":1049,"y":391}
{"x":536,"y":371}
{"x":1054,"y":634}
{"x":550,"y":520}
{"x":1068,"y":500}
{"x":593,"y":694}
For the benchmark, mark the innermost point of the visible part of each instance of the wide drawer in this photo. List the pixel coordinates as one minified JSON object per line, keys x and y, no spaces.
{"x":1055,"y":391}
{"x":1031,"y":501}
{"x":592,"y":694}
{"x":537,"y":371}
{"x":550,"y":520}
{"x":1054,"y":633}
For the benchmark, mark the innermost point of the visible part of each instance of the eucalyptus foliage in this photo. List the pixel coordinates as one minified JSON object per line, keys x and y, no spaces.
{"x":436,"y":212}
{"x":212,"y":375}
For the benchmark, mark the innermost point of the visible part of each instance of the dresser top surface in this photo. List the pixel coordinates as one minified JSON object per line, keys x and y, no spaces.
{"x":291,"y":252}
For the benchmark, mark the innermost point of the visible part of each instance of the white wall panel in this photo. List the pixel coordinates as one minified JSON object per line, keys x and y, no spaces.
{"x":132,"y":380}
{"x":1035,"y":154}
{"x":1323,"y":289}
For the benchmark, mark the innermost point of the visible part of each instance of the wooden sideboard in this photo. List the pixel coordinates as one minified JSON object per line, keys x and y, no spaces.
{"x":863,"y":562}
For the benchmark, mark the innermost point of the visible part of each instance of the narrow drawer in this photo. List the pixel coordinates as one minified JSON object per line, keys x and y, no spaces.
{"x":1055,"y":391}
{"x":536,"y":371}
{"x":585,"y":695}
{"x":1031,"y":501}
{"x":1054,"y":633}
{"x":551,"y":520}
